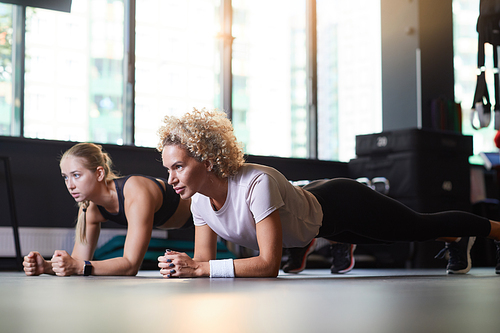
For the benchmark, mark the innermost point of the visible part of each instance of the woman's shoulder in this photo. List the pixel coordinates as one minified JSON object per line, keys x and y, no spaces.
{"x":252,"y":168}
{"x":139,"y":184}
{"x":139,"y":179}
{"x":94,"y":214}
{"x":253,"y":178}
{"x":252,"y":171}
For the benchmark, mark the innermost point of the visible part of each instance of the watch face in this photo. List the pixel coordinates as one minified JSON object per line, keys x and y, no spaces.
{"x":87,"y":269}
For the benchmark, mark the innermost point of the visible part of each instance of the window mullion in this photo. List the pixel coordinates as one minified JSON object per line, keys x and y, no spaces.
{"x":312,"y":80}
{"x":18,"y":67}
{"x":226,"y":75}
{"x":129,"y":70}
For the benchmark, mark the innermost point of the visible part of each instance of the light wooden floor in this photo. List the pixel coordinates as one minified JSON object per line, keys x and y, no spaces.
{"x":364,"y":300}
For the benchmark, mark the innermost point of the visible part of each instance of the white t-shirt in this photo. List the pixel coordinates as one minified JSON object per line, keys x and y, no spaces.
{"x":254,"y":193}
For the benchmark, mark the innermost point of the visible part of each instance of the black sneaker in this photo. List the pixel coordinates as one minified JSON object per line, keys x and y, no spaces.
{"x":497,"y":269}
{"x":297,"y":257}
{"x":343,"y":258}
{"x":459,"y":261}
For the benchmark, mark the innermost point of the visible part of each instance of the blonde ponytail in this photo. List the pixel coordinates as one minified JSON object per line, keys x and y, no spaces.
{"x":81,"y":223}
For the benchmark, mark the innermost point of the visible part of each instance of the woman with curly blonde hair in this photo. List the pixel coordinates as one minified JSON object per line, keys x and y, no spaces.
{"x":257,"y":207}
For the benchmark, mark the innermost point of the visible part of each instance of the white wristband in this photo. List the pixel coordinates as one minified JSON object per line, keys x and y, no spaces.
{"x":221,"y":268}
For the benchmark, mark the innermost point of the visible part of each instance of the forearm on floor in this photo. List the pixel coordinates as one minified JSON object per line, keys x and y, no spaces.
{"x":255,"y":267}
{"x":116,"y":266}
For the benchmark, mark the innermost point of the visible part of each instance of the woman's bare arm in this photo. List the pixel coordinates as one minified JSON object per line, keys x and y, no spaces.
{"x":266,"y":264}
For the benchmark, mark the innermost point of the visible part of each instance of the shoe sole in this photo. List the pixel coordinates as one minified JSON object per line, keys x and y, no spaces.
{"x":310,"y":249}
{"x":351,"y":266}
{"x":469,"y":261}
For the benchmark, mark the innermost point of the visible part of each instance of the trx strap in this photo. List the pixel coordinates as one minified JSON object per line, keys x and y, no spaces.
{"x":488,"y":28}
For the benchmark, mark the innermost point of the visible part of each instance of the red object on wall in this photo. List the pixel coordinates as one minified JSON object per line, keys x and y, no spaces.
{"x":497,"y":139}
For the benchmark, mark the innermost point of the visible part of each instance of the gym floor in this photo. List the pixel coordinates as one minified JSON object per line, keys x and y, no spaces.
{"x":364,"y":300}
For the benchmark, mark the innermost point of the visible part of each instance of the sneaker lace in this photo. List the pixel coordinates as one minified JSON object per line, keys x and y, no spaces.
{"x":453,"y":253}
{"x":441,"y":254}
{"x":341,"y":252}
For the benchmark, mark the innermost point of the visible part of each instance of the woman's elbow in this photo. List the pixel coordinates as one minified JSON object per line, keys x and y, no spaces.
{"x":132,"y":270}
{"x":271,"y":272}
{"x":274,"y":274}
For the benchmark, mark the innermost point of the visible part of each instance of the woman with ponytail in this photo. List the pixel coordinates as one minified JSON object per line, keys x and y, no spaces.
{"x":100,"y":193}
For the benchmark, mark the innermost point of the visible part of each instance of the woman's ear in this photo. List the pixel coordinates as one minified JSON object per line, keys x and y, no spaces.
{"x":208,"y":165}
{"x":100,"y":173}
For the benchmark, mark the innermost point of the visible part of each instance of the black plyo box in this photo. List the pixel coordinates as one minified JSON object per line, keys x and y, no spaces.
{"x":427,"y":170}
{"x":415,"y":140}
{"x":415,"y":174}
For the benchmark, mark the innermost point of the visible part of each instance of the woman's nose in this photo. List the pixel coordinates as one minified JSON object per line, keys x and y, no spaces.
{"x":171,"y":178}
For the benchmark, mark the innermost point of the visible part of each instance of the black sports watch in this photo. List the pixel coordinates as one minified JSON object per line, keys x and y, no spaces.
{"x":87,"y":268}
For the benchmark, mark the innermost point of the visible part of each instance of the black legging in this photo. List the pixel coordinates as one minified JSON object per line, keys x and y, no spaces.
{"x":354,"y":213}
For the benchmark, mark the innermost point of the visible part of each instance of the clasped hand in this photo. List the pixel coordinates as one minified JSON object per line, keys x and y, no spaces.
{"x":61,"y":264}
{"x":177,"y":264}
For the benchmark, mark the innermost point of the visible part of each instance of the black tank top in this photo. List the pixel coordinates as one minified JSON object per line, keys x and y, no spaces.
{"x":167,"y":209}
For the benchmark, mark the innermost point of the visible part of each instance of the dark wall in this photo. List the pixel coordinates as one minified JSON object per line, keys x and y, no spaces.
{"x":302,"y":169}
{"x":436,"y":45}
{"x":417,"y":60}
{"x":41,"y":196}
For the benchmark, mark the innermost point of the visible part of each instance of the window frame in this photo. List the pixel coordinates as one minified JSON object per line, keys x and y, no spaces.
{"x":226,"y":78}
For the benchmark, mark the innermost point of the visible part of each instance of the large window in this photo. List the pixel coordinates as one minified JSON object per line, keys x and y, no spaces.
{"x":349,"y":75}
{"x":269,"y":76}
{"x":177,"y":61}
{"x":88,"y":76}
{"x":74,"y":72}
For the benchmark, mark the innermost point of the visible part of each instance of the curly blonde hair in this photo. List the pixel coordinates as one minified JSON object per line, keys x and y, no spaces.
{"x":207,"y":136}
